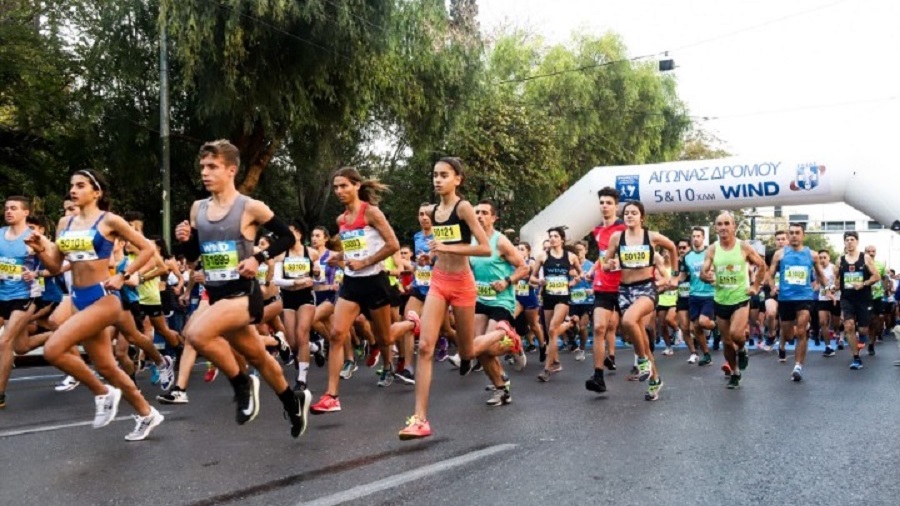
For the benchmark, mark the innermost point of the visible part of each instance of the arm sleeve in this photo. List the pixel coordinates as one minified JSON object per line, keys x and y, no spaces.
{"x":278,"y":278}
{"x":282,"y":241}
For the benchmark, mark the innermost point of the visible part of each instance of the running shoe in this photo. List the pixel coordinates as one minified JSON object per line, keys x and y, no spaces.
{"x":386,"y":378}
{"x":610,"y":362}
{"x":782,"y":356}
{"x":284,"y":349}
{"x":247,"y":399}
{"x":764,"y":346}
{"x":634,"y":374}
{"x":668,"y":351}
{"x":734,"y":382}
{"x":319,"y":356}
{"x":144,"y":424}
{"x":490,"y":386}
{"x":840,"y":344}
{"x":413,"y":317}
{"x":653,"y":388}
{"x":579,"y":355}
{"x":406,"y":376}
{"x":211,"y":373}
{"x":348,"y":369}
{"x":645,"y":368}
{"x":454,"y":360}
{"x":300,"y":386}
{"x":300,"y":419}
{"x":465,"y":367}
{"x":856,"y":364}
{"x":726,"y":369}
{"x":743,"y":359}
{"x":67,"y":384}
{"x":872,"y":349}
{"x":500,"y":397}
{"x":154,"y":374}
{"x":416,"y":428}
{"x":327,"y":404}
{"x":372,"y":359}
{"x":441,"y":353}
{"x":797,"y":374}
{"x":166,"y":373}
{"x":174,"y":396}
{"x":555,"y":367}
{"x":544,"y":376}
{"x":706,"y":360}
{"x":476,"y":365}
{"x":829,"y":352}
{"x":595,"y":384}
{"x":542,"y":353}
{"x":2,"y":400}
{"x":693,"y":359}
{"x":107,"y":406}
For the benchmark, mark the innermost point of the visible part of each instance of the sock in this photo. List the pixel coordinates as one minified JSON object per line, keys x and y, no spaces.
{"x":855,"y":357}
{"x":313,"y":347}
{"x":598,"y":372}
{"x":302,"y":369}
{"x":289,"y":400}
{"x":280,"y":335}
{"x":635,"y":360}
{"x":239,"y":382}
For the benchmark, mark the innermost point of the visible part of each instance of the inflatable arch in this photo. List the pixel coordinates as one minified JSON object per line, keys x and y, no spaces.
{"x":725,"y":184}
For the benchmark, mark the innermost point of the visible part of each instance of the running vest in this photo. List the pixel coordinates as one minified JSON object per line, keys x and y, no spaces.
{"x":856,"y":272}
{"x":297,"y":267}
{"x":451,"y":231}
{"x":128,"y":293}
{"x":796,"y":268}
{"x":14,"y":260}
{"x":582,"y":293}
{"x":489,"y":269}
{"x":668,"y":298}
{"x":422,"y":275}
{"x":523,"y":287}
{"x":829,"y":281}
{"x":148,"y":291}
{"x":556,"y":275}
{"x":607,"y":281}
{"x":732,"y":279}
{"x":389,"y":265}
{"x":639,"y":256}
{"x":82,"y":245}
{"x":693,"y":260}
{"x":360,"y":241}
{"x":222,"y":245}
{"x":878,"y":288}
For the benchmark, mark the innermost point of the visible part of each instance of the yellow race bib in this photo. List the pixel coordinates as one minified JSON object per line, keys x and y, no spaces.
{"x":447,"y":233}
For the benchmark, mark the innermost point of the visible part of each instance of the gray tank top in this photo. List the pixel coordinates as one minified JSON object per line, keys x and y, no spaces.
{"x":222,"y":246}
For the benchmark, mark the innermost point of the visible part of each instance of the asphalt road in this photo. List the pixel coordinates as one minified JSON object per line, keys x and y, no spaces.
{"x":829,"y":440}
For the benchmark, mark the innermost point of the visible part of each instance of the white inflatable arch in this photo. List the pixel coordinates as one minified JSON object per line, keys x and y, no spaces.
{"x":727,"y":183}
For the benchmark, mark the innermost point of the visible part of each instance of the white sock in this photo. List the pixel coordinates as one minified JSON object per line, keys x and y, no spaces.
{"x":302,"y":369}
{"x":280,"y":334}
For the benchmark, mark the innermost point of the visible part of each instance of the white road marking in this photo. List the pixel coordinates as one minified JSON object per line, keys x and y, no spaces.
{"x":48,"y":428}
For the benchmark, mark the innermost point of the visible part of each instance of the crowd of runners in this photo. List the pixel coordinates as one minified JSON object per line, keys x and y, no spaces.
{"x":263,"y":298}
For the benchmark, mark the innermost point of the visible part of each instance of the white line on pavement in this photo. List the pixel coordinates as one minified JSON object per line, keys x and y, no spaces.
{"x":48,"y":428}
{"x":403,"y":478}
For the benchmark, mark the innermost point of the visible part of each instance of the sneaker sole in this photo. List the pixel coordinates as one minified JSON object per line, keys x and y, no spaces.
{"x":503,"y":402}
{"x":304,"y":411}
{"x":67,"y":388}
{"x":405,"y":380}
{"x":407,"y":437}
{"x":170,"y":402}
{"x":153,"y":425}
{"x":254,"y":394}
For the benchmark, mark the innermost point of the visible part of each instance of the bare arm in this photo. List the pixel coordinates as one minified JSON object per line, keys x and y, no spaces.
{"x":375,"y":218}
{"x":706,"y":272}
{"x":772,"y":269}
{"x":755,"y":259}
{"x":611,"y":260}
{"x":876,"y":276}
{"x":512,"y":256}
{"x":482,"y":248}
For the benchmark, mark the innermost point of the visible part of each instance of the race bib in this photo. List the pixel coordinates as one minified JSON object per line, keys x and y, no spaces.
{"x":447,"y":233}
{"x":354,"y":243}
{"x":296,"y":267}
{"x":522,"y":289}
{"x":635,"y":257}
{"x":220,"y":260}
{"x":77,"y":245}
{"x":684,"y":289}
{"x":486,"y":291}
{"x":11,"y":269}
{"x":262,"y":272}
{"x":727,"y":276}
{"x":339,"y":276}
{"x":853,"y":277}
{"x":796,"y":275}
{"x":423,"y":276}
{"x":557,"y":285}
{"x":579,"y":296}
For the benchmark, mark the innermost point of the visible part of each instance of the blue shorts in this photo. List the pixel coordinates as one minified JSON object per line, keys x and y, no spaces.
{"x":529,"y":301}
{"x":698,"y":306}
{"x":82,"y":297}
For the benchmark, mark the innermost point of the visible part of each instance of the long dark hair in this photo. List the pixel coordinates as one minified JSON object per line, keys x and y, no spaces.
{"x":98,"y":183}
{"x":370,"y":190}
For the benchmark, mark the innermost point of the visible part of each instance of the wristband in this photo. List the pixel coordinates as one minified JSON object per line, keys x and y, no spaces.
{"x":261,"y":257}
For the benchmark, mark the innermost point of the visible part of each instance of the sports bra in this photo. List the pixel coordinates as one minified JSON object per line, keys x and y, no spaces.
{"x":83,"y":245}
{"x":639,"y":256}
{"x":451,"y":231}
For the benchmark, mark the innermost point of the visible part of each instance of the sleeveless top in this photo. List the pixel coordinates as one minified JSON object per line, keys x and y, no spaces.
{"x":732,"y":278}
{"x":222,"y":245}
{"x":607,"y":281}
{"x":796,"y":269}
{"x":489,"y":269}
{"x":82,"y":245}
{"x":451,"y":231}
{"x":638,"y":256}
{"x":360,"y":241}
{"x":556,"y":275}
{"x":857,"y":272}
{"x":14,"y":259}
{"x":297,"y":266}
{"x":693,"y":261}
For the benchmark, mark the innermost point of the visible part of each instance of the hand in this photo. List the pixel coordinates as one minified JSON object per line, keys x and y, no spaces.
{"x":499,"y":285}
{"x":611,"y":265}
{"x":437,"y":247}
{"x":858,"y":286}
{"x":333,"y":261}
{"x":35,"y":241}
{"x":752,"y":291}
{"x":199,"y":277}
{"x":28,"y":276}
{"x":247,"y":268}
{"x":423,"y":259}
{"x":303,"y":283}
{"x":115,"y":282}
{"x":183,"y":231}
{"x":184,"y":298}
{"x":357,"y":265}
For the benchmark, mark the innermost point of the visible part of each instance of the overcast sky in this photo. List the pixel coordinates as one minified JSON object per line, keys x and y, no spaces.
{"x":829,"y":66}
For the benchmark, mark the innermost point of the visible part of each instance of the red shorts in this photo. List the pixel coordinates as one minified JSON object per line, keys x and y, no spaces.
{"x":456,"y":288}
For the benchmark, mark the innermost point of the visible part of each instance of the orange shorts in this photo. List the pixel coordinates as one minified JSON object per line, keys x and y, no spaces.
{"x":456,"y":288}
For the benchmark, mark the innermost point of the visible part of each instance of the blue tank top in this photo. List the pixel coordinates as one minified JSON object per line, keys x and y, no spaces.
{"x":129,"y":293}
{"x":583,"y":293}
{"x":82,"y":245}
{"x":14,"y":260}
{"x":796,"y":269}
{"x":422,"y":274}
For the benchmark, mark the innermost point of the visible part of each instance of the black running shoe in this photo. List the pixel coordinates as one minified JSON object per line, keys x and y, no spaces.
{"x":300,"y":419}
{"x":465,"y":367}
{"x":610,"y":362}
{"x":248,"y":401}
{"x":596,"y":384}
{"x":542,"y":353}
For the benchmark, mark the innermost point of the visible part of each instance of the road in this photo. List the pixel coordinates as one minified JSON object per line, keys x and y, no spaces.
{"x":829,"y":440}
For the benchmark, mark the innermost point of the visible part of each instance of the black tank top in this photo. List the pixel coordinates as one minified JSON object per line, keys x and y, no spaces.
{"x":635,"y":257}
{"x":451,"y":231}
{"x":857,"y":272}
{"x":556,"y":274}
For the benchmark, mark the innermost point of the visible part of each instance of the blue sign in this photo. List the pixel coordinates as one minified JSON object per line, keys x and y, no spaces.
{"x":629,"y":188}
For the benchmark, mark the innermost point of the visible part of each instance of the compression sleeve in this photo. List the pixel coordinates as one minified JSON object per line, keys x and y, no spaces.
{"x":279,"y":279}
{"x":282,"y":241}
{"x":191,"y":248}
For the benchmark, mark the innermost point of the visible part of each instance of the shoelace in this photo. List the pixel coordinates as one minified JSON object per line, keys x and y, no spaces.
{"x":142,"y":423}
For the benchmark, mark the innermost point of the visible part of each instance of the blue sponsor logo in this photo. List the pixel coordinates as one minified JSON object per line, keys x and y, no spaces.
{"x":808,"y":177}
{"x":629,"y":188}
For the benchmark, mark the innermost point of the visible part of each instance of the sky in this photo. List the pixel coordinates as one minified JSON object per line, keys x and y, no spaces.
{"x":783,"y":77}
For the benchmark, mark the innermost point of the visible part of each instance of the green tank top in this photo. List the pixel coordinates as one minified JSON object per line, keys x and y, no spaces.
{"x":878,"y":288}
{"x":732,"y":279}
{"x":490,"y":269}
{"x":669,"y":298}
{"x":389,"y":265}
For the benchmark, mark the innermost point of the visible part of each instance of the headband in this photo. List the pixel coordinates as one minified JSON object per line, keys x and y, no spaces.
{"x":91,"y":177}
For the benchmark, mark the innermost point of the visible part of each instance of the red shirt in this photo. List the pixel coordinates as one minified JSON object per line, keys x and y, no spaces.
{"x":605,"y":281}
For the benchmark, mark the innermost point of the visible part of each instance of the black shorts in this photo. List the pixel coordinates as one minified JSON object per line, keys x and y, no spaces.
{"x":7,"y":307}
{"x":755,"y":303}
{"x":725,"y":312}
{"x":325,"y":296}
{"x":293,"y":299}
{"x":860,"y":312}
{"x":832,"y":307}
{"x":240,"y":288}
{"x":152,"y":310}
{"x":606,"y":300}
{"x":396,"y":298}
{"x":136,"y":312}
{"x":887,"y":308}
{"x":682,"y":304}
{"x":42,"y":303}
{"x":368,"y":292}
{"x":271,"y":300}
{"x":496,"y":313}
{"x":788,"y":309}
{"x":416,"y":294}
{"x":551,"y":301}
{"x":580,"y":310}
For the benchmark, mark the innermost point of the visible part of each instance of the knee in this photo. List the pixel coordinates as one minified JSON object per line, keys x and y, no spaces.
{"x":53,"y":352}
{"x":20,"y":348}
{"x":106,"y":368}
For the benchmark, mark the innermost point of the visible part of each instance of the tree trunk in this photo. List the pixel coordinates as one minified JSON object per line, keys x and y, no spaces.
{"x":257,"y":150}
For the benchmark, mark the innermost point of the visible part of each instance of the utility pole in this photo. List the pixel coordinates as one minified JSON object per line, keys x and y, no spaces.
{"x":164,"y":135}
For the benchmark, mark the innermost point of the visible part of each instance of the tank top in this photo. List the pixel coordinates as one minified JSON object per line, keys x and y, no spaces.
{"x":638,"y":256}
{"x":82,"y":245}
{"x":297,"y":266}
{"x":829,"y":281}
{"x":360,"y":241}
{"x":262,"y":273}
{"x":422,"y":274}
{"x":326,"y":272}
{"x":222,"y":245}
{"x":796,"y":268}
{"x":856,"y":272}
{"x":489,"y":269}
{"x":693,"y":260}
{"x":556,"y":275}
{"x":582,"y":293}
{"x":523,"y":287}
{"x":732,"y":278}
{"x":389,"y":265}
{"x":607,"y":281}
{"x":878,"y":288}
{"x":451,"y":231}
{"x":14,"y":259}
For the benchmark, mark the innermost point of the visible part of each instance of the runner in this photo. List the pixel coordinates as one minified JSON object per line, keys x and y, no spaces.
{"x":829,"y":302}
{"x":879,"y":313}
{"x":86,"y":240}
{"x":781,"y":240}
{"x":528,"y":306}
{"x":452,"y":285}
{"x":222,"y":229}
{"x":632,"y":251}
{"x":727,"y":266}
{"x":682,"y":305}
{"x":582,"y":299}
{"x":701,"y":305}
{"x":367,"y":239}
{"x":562,"y":271}
{"x":858,"y":274}
{"x":666,"y":319}
{"x":325,"y":288}
{"x":796,"y":263}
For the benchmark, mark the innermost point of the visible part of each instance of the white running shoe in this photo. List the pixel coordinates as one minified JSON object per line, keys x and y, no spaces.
{"x":668,"y":351}
{"x":694,"y":358}
{"x":520,"y":361}
{"x":67,"y":384}
{"x":144,"y":424}
{"x":107,"y":406}
{"x":166,"y":373}
{"x":579,"y":355}
{"x":454,"y":360}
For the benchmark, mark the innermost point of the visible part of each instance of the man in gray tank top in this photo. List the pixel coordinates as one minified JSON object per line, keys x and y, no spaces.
{"x":220,"y":233}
